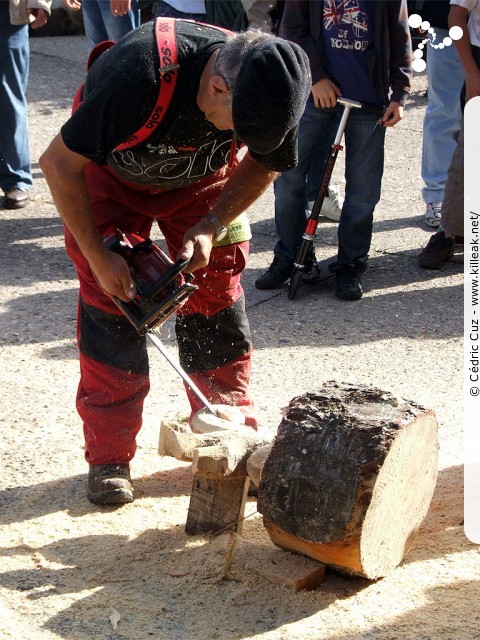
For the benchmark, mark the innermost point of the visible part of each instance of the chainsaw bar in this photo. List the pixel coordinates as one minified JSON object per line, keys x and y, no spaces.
{"x":161,"y":290}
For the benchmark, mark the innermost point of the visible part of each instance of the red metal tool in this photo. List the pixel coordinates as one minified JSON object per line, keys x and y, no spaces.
{"x":305,"y":268}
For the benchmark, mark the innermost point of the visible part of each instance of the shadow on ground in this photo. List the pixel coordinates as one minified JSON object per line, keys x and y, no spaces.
{"x":121,"y":569}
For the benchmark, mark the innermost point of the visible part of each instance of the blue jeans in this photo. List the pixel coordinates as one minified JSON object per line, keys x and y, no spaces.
{"x":164,"y":10}
{"x":442,"y":116}
{"x":100,"y":24}
{"x":364,"y":153}
{"x":15,"y":170}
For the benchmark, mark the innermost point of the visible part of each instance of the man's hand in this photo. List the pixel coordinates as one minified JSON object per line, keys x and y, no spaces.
{"x":113,"y":275}
{"x":197,"y":246}
{"x":392,"y":115}
{"x":41,"y":17}
{"x":73,"y":5}
{"x":472,"y":84}
{"x":120,"y":7}
{"x":325,"y":93}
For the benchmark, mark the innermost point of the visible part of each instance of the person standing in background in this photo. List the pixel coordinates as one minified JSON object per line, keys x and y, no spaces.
{"x":15,"y":170}
{"x":106,"y":19}
{"x":240,"y":15}
{"x":464,"y":14}
{"x":184,"y":9}
{"x":363,"y":54}
{"x":445,"y":77}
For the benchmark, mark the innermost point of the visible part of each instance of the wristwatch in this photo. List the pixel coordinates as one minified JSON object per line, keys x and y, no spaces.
{"x":220,"y":230}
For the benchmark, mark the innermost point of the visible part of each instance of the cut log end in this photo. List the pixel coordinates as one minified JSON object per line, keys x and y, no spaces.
{"x":401,"y":497}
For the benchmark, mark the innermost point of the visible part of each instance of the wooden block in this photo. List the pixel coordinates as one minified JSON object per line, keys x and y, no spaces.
{"x":292,"y":570}
{"x":256,"y":462}
{"x":217,"y":504}
{"x":215,"y":453}
{"x":229,"y":419}
{"x":219,"y":464}
{"x":177,"y":441}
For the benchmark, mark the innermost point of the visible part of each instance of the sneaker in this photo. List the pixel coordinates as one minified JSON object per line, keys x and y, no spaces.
{"x":278,"y":273}
{"x":332,"y":204}
{"x":109,"y":484}
{"x":433,"y":214}
{"x":16,"y":198}
{"x":349,"y":286}
{"x":438,"y":251}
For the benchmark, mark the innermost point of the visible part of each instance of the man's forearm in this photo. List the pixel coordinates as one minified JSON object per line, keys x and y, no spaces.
{"x":458,"y":18}
{"x":249,"y":180}
{"x":66,"y":180}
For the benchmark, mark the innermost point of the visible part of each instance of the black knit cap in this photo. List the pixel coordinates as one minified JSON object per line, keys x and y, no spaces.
{"x":270,"y":94}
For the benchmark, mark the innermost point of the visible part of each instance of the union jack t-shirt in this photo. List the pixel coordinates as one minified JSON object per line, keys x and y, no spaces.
{"x":348,"y":32}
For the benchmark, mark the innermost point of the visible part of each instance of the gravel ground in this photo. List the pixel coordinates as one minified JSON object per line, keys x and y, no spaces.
{"x":67,"y":565}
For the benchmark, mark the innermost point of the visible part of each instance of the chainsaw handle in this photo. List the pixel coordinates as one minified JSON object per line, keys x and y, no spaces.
{"x":180,"y":265}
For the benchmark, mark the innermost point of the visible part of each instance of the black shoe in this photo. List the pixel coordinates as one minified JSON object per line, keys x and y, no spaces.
{"x":109,"y":484}
{"x":438,"y":251}
{"x":278,"y":273}
{"x":15,"y":199}
{"x":349,"y":286}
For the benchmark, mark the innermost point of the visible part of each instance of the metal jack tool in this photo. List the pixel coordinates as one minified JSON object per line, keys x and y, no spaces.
{"x":305,"y":268}
{"x":161,"y":290}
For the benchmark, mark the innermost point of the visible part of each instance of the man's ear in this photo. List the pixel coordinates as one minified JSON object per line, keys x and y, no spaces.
{"x":217,"y":85}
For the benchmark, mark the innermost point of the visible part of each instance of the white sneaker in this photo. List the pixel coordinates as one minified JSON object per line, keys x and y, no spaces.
{"x":332,"y":205}
{"x":433,"y":214}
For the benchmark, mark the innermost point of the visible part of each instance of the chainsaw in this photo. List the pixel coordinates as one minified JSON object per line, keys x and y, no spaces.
{"x":162,"y":288}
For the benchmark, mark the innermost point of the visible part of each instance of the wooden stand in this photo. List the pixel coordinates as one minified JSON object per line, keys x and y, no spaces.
{"x":219,"y":464}
{"x":350,"y":478}
{"x":216,"y":504}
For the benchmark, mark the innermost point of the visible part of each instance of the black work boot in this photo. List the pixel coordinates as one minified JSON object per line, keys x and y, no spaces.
{"x":438,"y":251}
{"x":16,"y":198}
{"x":349,"y":285}
{"x":278,"y":273}
{"x":109,"y":484}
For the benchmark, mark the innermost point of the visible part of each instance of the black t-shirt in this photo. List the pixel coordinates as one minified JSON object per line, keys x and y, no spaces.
{"x":120,"y":93}
{"x":434,"y":11}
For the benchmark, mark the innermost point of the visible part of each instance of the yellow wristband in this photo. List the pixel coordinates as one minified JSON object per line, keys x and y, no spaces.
{"x":238,"y":231}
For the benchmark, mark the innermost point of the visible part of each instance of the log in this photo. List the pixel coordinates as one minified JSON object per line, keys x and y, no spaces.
{"x":350,"y":478}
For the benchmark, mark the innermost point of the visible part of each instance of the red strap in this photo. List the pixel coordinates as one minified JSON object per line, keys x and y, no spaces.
{"x":94,"y":53}
{"x":97,"y":50}
{"x":167,"y":49}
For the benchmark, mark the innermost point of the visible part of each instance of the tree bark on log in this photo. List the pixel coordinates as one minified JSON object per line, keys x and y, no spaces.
{"x":350,"y":477}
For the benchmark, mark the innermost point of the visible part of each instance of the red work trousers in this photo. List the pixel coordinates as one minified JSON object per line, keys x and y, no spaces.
{"x":212,"y":328}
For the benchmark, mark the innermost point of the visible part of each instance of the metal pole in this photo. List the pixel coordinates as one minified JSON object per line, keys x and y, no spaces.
{"x":160,"y":346}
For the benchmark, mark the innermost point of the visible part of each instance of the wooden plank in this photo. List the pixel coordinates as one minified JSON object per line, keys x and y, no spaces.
{"x":291,"y":570}
{"x":216,"y":504}
{"x":256,"y":462}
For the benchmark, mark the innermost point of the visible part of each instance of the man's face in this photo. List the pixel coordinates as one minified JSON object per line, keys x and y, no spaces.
{"x":216,"y":103}
{"x":219,"y":112}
